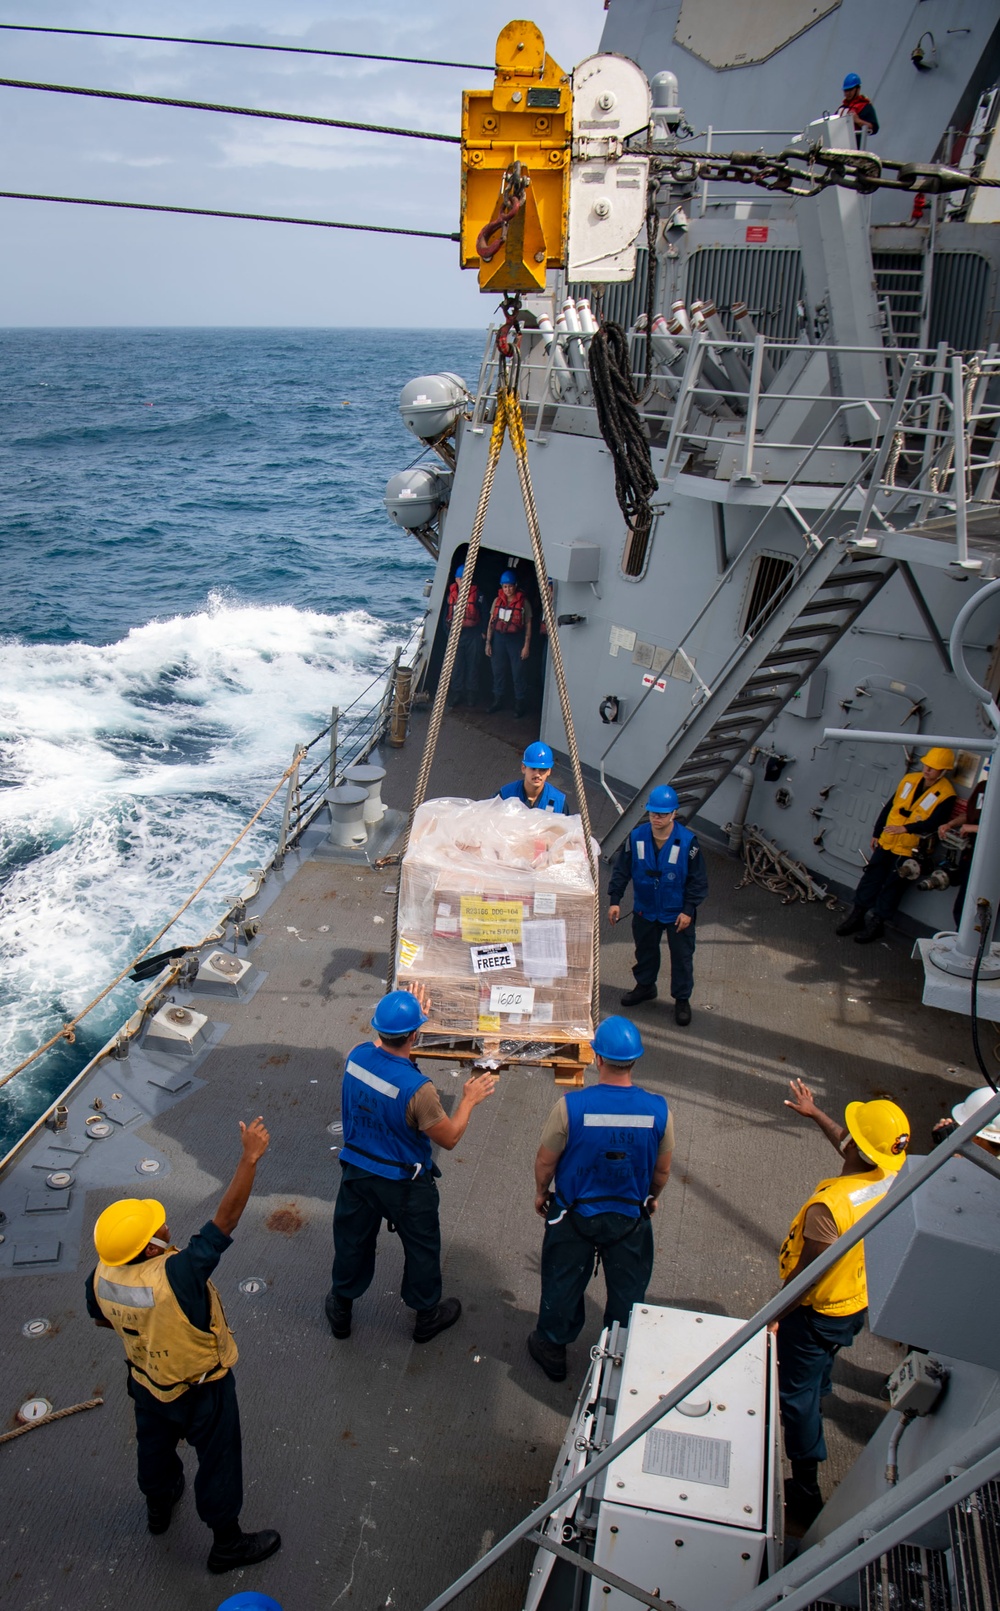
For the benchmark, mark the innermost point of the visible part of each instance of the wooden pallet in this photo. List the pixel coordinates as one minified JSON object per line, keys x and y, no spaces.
{"x":567,"y":1057}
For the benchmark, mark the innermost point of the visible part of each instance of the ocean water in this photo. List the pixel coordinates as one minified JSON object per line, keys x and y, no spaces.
{"x":196,"y":566}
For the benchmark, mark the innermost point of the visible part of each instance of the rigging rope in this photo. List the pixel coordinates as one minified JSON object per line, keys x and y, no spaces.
{"x":616,"y":401}
{"x":218,"y":212}
{"x":241,"y":44}
{"x":238,"y":111}
{"x":53,"y":1415}
{"x":507,"y":419}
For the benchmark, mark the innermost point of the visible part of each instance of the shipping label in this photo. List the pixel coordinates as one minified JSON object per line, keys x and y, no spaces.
{"x":512,"y":998}
{"x":484,"y":921}
{"x":492,"y":958}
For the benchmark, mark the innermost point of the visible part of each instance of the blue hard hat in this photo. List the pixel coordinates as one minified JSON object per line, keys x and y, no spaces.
{"x":852,"y":81}
{"x":537,"y":755}
{"x":618,"y":1039}
{"x":662,"y":799}
{"x":398,"y":1013}
{"x":460,"y":573}
{"x":249,"y":1600}
{"x":508,"y":576}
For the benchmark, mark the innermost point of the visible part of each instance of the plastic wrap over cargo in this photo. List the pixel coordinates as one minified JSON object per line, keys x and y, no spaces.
{"x":496,"y":916}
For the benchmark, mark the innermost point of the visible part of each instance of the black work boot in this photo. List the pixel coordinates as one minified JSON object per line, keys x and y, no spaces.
{"x":638,"y":993}
{"x":873,"y":929}
{"x":338,"y":1312}
{"x":803,"y":1499}
{"x":430,"y":1321}
{"x":244,"y":1550}
{"x":551,"y":1356}
{"x":159,"y":1511}
{"x":682,"y":1011}
{"x":854,"y":921}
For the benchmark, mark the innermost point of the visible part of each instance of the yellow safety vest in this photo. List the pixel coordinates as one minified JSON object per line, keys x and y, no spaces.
{"x":843,"y":1290}
{"x":913,"y":802}
{"x":166,"y":1353}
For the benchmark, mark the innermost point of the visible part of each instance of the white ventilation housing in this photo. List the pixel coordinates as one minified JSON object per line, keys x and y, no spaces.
{"x":178,"y":1030}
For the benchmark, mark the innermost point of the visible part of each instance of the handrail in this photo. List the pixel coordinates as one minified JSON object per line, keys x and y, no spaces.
{"x":785,"y":1299}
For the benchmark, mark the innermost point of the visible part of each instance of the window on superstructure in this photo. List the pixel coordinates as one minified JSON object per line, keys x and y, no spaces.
{"x":769,"y":582}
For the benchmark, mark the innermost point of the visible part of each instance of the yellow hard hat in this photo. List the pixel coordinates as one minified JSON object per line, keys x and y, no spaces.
{"x":124,"y":1229}
{"x":941,"y":760}
{"x":881,"y":1130}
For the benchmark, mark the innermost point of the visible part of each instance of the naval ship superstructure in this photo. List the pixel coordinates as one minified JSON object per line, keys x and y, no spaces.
{"x":822,"y":435}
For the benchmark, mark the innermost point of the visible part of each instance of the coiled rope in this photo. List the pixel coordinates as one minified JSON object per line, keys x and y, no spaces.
{"x":507,"y":419}
{"x":616,"y":401}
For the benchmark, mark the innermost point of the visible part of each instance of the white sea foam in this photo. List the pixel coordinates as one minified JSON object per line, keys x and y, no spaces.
{"x":129,"y":768}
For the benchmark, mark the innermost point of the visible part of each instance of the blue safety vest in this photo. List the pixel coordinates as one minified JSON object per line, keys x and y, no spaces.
{"x":614,"y":1138}
{"x":658,"y":879}
{"x":377,"y":1087}
{"x":550,"y":799}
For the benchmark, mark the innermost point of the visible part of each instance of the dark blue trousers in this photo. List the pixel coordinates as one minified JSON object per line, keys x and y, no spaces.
{"x":363,"y":1202}
{"x":206,"y":1417}
{"x":808,"y":1344}
{"x":507,"y":665}
{"x":568,"y":1264}
{"x":647,"y":935}
{"x":468,"y":663}
{"x":881,"y":889}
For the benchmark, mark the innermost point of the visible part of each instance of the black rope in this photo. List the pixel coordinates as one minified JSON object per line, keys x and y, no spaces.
{"x":985,"y":928}
{"x":615,"y":399}
{"x":238,"y":111}
{"x":242,"y":44}
{"x":217,"y":212}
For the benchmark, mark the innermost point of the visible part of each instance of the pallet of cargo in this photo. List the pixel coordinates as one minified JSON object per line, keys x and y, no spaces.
{"x":568,"y":1057}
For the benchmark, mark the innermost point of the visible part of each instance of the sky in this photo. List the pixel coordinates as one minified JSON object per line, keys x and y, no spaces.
{"x":87,"y":266}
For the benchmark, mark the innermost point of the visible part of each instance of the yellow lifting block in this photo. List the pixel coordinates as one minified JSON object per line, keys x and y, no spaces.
{"x":516,"y":141}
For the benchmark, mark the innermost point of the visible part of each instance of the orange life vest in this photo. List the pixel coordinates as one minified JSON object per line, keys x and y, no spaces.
{"x":471,"y":609}
{"x":508,"y":615}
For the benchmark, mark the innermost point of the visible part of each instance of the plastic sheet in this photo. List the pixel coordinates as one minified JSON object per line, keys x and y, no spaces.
{"x":496,"y":913}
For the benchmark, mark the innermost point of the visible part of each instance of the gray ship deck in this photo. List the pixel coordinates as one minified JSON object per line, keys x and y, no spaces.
{"x":390,"y":1467}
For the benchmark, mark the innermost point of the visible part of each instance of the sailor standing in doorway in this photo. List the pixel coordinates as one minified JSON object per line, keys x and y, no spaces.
{"x":465,"y":676}
{"x":605,"y":1153}
{"x":663,"y":861}
{"x":921,"y":806}
{"x":534,"y":789}
{"x":508,"y":644}
{"x":391,"y":1114}
{"x":180,"y":1354}
{"x":872,"y":1142}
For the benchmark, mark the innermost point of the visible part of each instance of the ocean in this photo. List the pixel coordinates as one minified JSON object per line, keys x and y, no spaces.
{"x":197,"y":565}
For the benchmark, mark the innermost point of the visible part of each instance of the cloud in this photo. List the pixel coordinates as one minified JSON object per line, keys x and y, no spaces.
{"x":306,"y":148}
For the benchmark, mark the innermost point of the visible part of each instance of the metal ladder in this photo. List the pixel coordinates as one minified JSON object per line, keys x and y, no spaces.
{"x":821,"y":597}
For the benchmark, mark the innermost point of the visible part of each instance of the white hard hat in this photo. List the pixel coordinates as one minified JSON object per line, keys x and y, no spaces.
{"x":973,"y":1102}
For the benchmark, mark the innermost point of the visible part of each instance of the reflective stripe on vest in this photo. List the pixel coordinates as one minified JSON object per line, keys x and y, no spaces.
{"x":611,"y":1149}
{"x":377,"y":1088}
{"x":659,"y":877}
{"x":913,"y":802}
{"x":508,"y":616}
{"x":843,"y":1290}
{"x":166,"y":1353}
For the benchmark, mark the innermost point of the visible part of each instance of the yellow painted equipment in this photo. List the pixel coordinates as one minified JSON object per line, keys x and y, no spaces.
{"x":516,"y":141}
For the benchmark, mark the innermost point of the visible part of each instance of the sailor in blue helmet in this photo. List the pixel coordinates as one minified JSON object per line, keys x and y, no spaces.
{"x":391,"y":1114}
{"x":857,"y":106}
{"x":664,"y":862}
{"x":508,"y":644}
{"x":469,"y":654}
{"x":603,"y":1161}
{"x":534,"y":789}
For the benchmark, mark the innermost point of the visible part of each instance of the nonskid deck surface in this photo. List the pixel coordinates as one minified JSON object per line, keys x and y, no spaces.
{"x":390,"y":1467}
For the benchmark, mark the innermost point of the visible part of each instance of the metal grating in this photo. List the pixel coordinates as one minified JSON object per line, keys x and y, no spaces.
{"x":767,"y":279}
{"x":906,"y":1579}
{"x":975,"y":1545}
{"x":767,"y":588}
{"x":959,"y":288}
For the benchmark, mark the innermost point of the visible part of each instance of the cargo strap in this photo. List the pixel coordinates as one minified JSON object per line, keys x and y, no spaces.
{"x":507,"y":420}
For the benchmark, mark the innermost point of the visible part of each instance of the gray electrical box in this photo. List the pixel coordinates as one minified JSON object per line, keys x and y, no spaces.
{"x":808,"y":701}
{"x":573,"y":562}
{"x":934,"y":1265}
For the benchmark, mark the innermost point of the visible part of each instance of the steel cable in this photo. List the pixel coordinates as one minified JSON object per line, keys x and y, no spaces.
{"x":451,"y":651}
{"x":515,"y":424}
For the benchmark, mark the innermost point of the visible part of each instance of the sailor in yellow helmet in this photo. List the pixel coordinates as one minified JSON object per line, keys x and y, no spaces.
{"x":180,"y":1354}
{"x":921,"y":806}
{"x":872,"y":1142}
